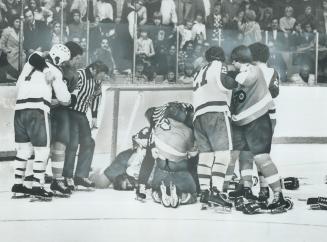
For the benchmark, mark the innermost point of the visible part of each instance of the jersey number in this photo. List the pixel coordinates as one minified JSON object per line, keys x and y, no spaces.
{"x":203,"y":79}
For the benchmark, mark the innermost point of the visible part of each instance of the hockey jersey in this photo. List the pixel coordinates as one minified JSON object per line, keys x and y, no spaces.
{"x":34,"y":88}
{"x":272,"y":80}
{"x":251,"y":99}
{"x":209,"y":93}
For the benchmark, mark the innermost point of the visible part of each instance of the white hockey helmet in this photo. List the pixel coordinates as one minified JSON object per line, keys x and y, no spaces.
{"x":59,"y":53}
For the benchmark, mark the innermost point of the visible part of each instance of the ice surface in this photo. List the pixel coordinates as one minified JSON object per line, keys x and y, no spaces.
{"x":108,"y":215}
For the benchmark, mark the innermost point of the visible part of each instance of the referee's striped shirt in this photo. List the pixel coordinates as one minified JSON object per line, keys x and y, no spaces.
{"x":89,"y":93}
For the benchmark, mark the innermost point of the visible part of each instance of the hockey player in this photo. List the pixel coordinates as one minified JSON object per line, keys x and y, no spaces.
{"x":260,"y":55}
{"x":211,"y":99}
{"x":252,"y":128}
{"x":31,"y":121}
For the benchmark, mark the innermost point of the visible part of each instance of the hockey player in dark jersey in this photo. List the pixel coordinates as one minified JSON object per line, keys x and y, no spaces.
{"x":252,"y":128}
{"x":175,"y":180}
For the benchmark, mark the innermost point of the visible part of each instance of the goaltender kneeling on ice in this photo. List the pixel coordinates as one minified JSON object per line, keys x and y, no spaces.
{"x":173,"y":179}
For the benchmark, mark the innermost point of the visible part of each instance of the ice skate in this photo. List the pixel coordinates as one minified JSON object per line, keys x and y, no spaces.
{"x":40,"y":194}
{"x":219,"y":202}
{"x":141,"y":193}
{"x":20,"y":191}
{"x":69,"y":182}
{"x":174,"y":199}
{"x":204,"y":199}
{"x":263,"y":197}
{"x":236,"y":193}
{"x":84,"y":184}
{"x":165,"y":198}
{"x":59,"y":189}
{"x":279,"y":204}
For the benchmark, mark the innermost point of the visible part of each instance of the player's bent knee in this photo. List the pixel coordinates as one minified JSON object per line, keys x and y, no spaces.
{"x":42,"y":153}
{"x":262,"y":160}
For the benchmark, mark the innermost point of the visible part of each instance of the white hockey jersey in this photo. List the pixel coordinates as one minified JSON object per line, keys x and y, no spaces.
{"x":34,"y":90}
{"x":209,"y":94}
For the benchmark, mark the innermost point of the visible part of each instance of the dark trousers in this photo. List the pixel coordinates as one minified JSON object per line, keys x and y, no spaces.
{"x":80,"y":133}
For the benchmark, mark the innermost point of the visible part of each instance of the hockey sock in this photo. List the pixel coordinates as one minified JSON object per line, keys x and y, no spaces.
{"x":204,"y":169}
{"x":24,"y":151}
{"x":39,"y":165}
{"x":262,"y":180}
{"x":230,"y":169}
{"x":246,"y":168}
{"x":219,"y":168}
{"x":269,"y":171}
{"x":57,"y":159}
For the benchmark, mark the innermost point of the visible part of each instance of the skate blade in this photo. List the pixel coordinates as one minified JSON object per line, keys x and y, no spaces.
{"x":40,"y":199}
{"x":278,"y":210}
{"x":20,"y":196}
{"x":60,"y":195}
{"x":84,"y":189}
{"x":166,"y":203}
{"x":222,"y":210}
{"x":140,"y":199}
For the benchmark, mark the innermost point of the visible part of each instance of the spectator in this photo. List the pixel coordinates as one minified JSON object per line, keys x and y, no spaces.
{"x":56,"y":34}
{"x":81,"y":6}
{"x":105,"y":11}
{"x":251,"y":29}
{"x":231,"y":7}
{"x":8,"y":9}
{"x":56,"y":11}
{"x":160,"y":60}
{"x":185,"y":32}
{"x":36,"y":34}
{"x":168,"y":12}
{"x":170,"y":77}
{"x":144,"y":45}
{"x":184,"y":8}
{"x":104,"y":54}
{"x":9,"y":43}
{"x":307,"y":17}
{"x":140,"y":76}
{"x":275,"y":38}
{"x":199,"y":30}
{"x":287,"y":22}
{"x":171,"y":58}
{"x":203,"y":7}
{"x":187,"y":78}
{"x":152,"y":6}
{"x":321,"y":18}
{"x":40,"y":13}
{"x":296,"y":36}
{"x":216,"y":21}
{"x":76,"y":29}
{"x":266,"y":20}
{"x":3,"y":20}
{"x":304,"y":77}
{"x":142,"y":15}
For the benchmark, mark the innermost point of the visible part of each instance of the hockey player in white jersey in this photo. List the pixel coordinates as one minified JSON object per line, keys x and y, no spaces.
{"x":211,"y":99}
{"x":31,"y":121}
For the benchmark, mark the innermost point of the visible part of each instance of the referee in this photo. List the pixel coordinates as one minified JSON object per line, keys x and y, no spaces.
{"x":89,"y":95}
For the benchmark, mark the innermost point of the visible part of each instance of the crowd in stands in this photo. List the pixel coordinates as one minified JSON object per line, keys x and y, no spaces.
{"x":162,"y":55}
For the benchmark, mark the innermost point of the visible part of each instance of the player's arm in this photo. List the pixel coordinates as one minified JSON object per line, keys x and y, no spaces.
{"x":274,"y":85}
{"x":61,"y":90}
{"x":247,"y":75}
{"x":37,"y":61}
{"x":226,"y":80}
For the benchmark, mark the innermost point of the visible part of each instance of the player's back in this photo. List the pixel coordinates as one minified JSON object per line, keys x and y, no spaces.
{"x":209,"y":94}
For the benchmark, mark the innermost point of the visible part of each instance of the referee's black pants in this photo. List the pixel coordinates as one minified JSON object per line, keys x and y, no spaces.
{"x":80,"y":134}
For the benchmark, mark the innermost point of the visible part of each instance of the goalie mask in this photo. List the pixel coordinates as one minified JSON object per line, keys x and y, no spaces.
{"x":59,"y":53}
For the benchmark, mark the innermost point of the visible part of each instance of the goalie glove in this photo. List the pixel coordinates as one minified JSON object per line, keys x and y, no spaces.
{"x":290,"y":183}
{"x":317,"y":203}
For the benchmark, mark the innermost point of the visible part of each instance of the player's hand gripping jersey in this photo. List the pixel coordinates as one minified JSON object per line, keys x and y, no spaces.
{"x":210,"y":89}
{"x":34,"y":87}
{"x":251,"y":99}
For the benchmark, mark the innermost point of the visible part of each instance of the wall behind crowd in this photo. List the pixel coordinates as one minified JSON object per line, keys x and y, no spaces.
{"x":163,"y":41}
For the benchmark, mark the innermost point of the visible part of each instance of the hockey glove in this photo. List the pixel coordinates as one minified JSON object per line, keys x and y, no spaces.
{"x":291,"y":183}
{"x":317,"y":203}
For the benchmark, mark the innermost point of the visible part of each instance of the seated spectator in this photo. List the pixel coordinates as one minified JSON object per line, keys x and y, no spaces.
{"x":37,"y":36}
{"x":144,"y":45}
{"x":56,"y":34}
{"x":104,"y":54}
{"x":296,"y":36}
{"x":199,"y":30}
{"x":8,"y":9}
{"x":266,"y":20}
{"x":185,"y":32}
{"x":105,"y":11}
{"x":304,"y":77}
{"x":307,"y":17}
{"x":286,"y":23}
{"x":251,"y":29}
{"x":81,"y":6}
{"x":140,"y":76}
{"x":168,"y":12}
{"x":9,"y":44}
{"x":170,"y":77}
{"x":187,"y":78}
{"x":275,"y":38}
{"x":76,"y":29}
{"x":40,"y":13}
{"x":141,"y":10}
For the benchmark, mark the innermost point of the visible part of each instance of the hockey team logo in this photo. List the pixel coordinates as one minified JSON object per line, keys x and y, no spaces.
{"x":239,"y":96}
